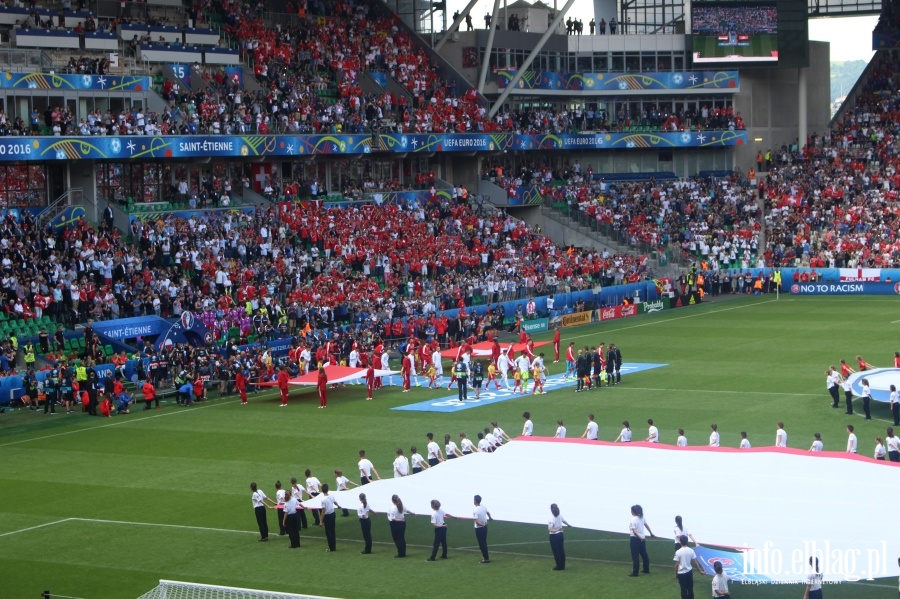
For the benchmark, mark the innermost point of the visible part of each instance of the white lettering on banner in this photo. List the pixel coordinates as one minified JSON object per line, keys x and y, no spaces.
{"x":534,"y":326}
{"x":128,"y":332}
{"x":15,"y":149}
{"x":205,"y":146}
{"x":650,"y":307}
{"x":860,"y":275}
{"x":845,"y":288}
{"x":583,"y":141}
{"x":105,"y":372}
{"x":607,"y":313}
{"x":465,"y":142}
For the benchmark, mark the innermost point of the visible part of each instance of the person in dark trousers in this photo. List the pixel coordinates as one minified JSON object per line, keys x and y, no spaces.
{"x":638,"y":540}
{"x":93,"y":388}
{"x":831,"y":383}
{"x":581,"y":370}
{"x":260,"y":503}
{"x":610,"y":365}
{"x":312,"y":489}
{"x":281,"y":497}
{"x":291,"y":520}
{"x":895,"y":405}
{"x":481,"y":517}
{"x":365,"y":523}
{"x":597,"y":360}
{"x":866,"y":397}
{"x":397,"y":518}
{"x":685,"y":559}
{"x":618,"y":366}
{"x":328,"y":518}
{"x":461,"y":372}
{"x":297,"y":491}
{"x":440,"y":530}
{"x":848,"y":395}
{"x":51,"y":390}
{"x":555,"y":528}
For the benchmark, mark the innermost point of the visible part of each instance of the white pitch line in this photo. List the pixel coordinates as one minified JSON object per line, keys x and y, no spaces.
{"x":46,"y":524}
{"x":307,"y":538}
{"x":161,"y":525}
{"x":720,"y":391}
{"x":123,"y":421}
{"x":317,"y":538}
{"x":655,"y":322}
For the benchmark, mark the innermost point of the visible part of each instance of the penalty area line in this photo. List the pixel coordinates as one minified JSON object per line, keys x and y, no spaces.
{"x":44,"y":525}
{"x":121,"y":422}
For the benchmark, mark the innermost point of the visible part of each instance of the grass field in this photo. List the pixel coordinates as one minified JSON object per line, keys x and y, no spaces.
{"x":760,"y":48}
{"x":103,"y":508}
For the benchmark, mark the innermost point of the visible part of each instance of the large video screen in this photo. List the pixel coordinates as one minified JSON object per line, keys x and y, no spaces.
{"x":734,"y":33}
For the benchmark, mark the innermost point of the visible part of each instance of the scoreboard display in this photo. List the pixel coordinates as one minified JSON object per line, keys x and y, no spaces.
{"x":742,"y":33}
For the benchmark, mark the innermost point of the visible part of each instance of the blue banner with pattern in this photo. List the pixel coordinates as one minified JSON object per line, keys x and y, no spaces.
{"x":232,"y":146}
{"x":106,"y":83}
{"x":619,"y":82}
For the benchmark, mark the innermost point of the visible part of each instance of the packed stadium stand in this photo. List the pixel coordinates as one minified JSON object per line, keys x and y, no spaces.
{"x":292,"y":167}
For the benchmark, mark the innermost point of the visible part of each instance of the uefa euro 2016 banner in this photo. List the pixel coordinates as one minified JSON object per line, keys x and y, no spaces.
{"x":51,"y":81}
{"x":619,"y":82}
{"x":138,"y":147}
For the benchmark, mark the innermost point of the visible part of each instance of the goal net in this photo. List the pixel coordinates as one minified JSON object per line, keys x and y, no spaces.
{"x":172,"y":589}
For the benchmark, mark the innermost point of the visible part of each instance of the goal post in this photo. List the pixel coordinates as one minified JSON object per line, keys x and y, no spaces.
{"x":173,"y":589}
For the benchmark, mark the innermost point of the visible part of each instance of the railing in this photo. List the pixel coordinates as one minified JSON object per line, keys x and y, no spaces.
{"x":19,"y":58}
{"x":71,"y":197}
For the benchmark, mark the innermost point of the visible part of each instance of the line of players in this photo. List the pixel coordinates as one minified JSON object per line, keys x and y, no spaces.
{"x":835,"y":378}
{"x":425,"y":357}
{"x":593,"y":367}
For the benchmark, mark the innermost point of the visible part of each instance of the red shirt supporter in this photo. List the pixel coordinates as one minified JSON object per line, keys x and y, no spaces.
{"x":283,"y":385}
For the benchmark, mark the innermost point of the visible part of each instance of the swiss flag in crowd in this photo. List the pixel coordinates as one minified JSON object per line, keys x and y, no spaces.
{"x":260,"y":172}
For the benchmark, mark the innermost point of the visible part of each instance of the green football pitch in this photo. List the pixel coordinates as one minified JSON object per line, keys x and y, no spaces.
{"x":104,"y":508}
{"x":760,"y":46}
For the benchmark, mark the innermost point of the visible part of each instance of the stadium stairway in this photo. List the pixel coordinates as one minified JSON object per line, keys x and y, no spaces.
{"x":368,"y":84}
{"x":396,"y":88}
{"x":566,"y":231}
{"x":250,"y":197}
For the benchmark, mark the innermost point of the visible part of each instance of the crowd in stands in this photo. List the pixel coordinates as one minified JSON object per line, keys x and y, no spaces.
{"x":298,"y":61}
{"x":362,"y":264}
{"x":718,"y":20}
{"x":833,"y":202}
{"x":704,"y":217}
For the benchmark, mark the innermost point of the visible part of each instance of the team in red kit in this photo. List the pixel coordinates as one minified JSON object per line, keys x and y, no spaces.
{"x":425,"y":356}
